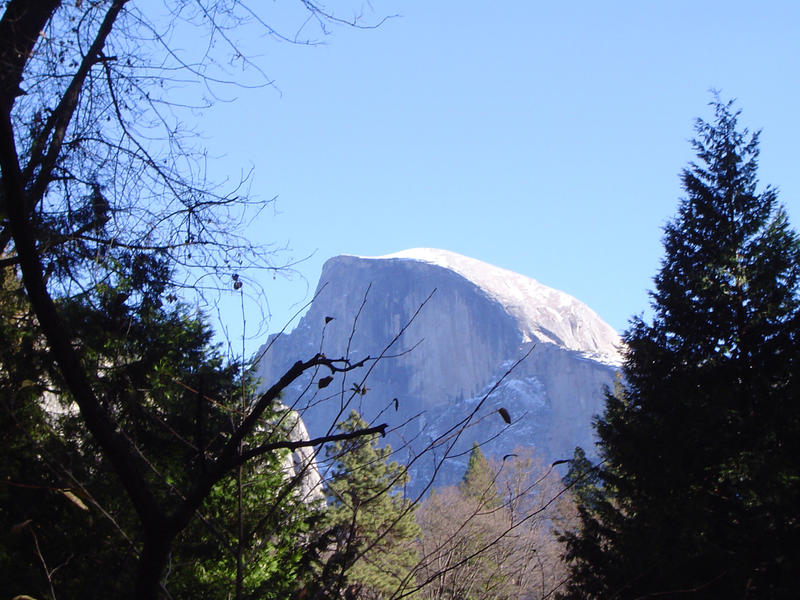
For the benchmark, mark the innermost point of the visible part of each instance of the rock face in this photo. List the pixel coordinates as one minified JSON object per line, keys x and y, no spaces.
{"x":478,"y":322}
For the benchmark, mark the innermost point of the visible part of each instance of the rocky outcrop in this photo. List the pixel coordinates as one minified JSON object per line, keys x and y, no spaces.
{"x":302,"y":463}
{"x":478,"y":321}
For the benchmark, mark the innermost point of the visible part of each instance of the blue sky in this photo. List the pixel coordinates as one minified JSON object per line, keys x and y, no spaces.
{"x":545,"y":138}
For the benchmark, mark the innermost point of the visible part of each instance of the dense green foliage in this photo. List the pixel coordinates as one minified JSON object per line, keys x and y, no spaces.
{"x":700,"y":481}
{"x":368,"y":531}
{"x":178,"y":401}
{"x":480,"y":479}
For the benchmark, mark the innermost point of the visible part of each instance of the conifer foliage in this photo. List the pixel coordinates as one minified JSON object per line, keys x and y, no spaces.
{"x":369,"y":527}
{"x":700,"y":483}
{"x":480,"y":480}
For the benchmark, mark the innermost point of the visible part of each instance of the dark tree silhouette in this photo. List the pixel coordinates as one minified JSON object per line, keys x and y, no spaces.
{"x":700,"y":483}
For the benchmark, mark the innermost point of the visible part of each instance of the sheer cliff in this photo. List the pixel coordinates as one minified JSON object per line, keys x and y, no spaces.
{"x":477,"y":322}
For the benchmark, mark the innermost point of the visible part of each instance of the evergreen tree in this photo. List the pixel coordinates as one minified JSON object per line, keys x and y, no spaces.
{"x":582,"y":479}
{"x":370,"y":527}
{"x":177,"y":398}
{"x":700,"y":480}
{"x":479,"y":481}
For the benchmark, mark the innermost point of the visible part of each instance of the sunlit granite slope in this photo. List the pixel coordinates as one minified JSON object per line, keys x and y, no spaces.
{"x":541,"y":313}
{"x":477,"y":322}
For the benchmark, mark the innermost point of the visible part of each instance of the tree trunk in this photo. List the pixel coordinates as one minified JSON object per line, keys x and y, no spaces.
{"x":152,"y":561}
